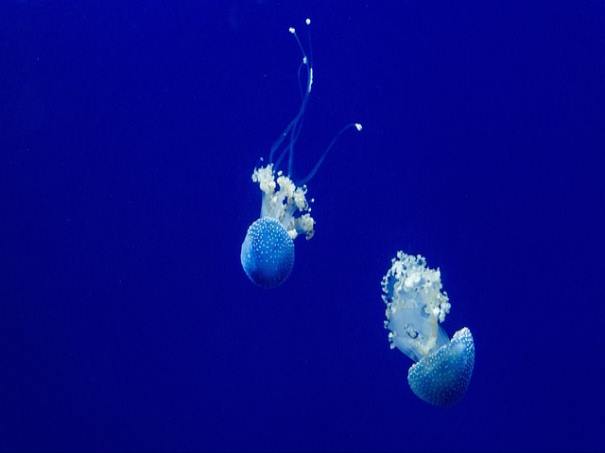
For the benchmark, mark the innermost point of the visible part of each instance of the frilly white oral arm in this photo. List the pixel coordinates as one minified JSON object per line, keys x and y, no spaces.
{"x":416,"y":304}
{"x":284,"y":201}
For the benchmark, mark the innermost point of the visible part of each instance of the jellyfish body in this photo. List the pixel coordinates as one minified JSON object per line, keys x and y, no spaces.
{"x":442,"y":377}
{"x":416,"y":305}
{"x":267,"y":253}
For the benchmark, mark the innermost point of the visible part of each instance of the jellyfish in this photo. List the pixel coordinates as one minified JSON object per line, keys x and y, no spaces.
{"x":267,"y":253}
{"x":416,"y":307}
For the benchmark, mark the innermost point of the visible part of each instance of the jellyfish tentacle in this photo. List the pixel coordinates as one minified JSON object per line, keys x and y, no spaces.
{"x":302,"y":86}
{"x":357,"y":126}
{"x":306,"y":61}
{"x":294,"y":123}
{"x":280,"y":139}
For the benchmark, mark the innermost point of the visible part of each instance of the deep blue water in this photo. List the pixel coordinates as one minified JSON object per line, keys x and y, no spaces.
{"x":128,"y":134}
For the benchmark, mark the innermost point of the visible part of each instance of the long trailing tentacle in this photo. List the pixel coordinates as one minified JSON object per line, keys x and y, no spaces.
{"x":306,"y":179}
{"x":298,"y":126}
{"x":293,"y":128}
{"x":278,"y":142}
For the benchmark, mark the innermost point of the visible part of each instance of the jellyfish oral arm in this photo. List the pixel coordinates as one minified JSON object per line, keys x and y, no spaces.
{"x":416,"y":305}
{"x":284,"y":202}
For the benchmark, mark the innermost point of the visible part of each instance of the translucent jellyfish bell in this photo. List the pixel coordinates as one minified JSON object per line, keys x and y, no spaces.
{"x":416,"y":306}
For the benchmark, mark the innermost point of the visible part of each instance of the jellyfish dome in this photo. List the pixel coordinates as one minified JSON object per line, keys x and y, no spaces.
{"x":416,"y":307}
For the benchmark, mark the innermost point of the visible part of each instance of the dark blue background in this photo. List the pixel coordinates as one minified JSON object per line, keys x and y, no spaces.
{"x":128,"y":133}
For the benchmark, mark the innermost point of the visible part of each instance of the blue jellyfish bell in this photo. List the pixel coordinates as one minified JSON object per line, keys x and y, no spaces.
{"x":416,"y":306}
{"x":267,"y":253}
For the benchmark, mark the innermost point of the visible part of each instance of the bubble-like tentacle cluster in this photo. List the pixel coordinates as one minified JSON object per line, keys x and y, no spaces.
{"x":416,"y":304}
{"x":284,"y":202}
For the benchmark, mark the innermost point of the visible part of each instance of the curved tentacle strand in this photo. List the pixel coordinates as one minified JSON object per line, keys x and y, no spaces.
{"x":357,"y":126}
{"x":293,"y":128}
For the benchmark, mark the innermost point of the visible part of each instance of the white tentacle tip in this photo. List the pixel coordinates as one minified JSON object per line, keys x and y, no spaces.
{"x":358,"y":126}
{"x":308,"y":21}
{"x":292,"y":30}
